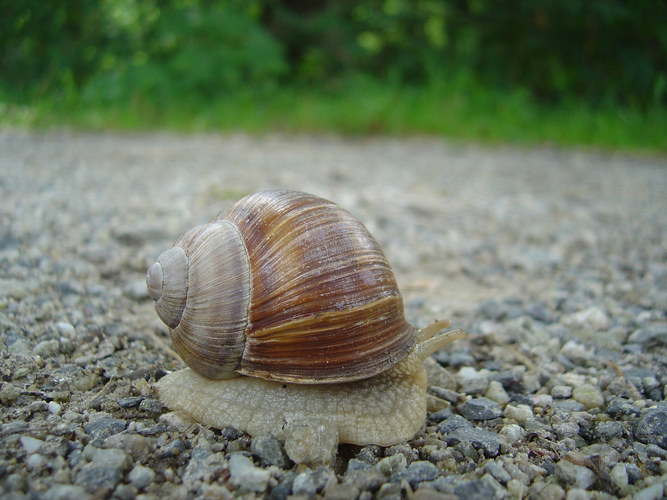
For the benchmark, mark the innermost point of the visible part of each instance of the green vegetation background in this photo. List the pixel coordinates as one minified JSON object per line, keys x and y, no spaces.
{"x":563,"y":72}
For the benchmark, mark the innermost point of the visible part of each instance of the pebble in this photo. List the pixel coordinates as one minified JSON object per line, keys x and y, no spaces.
{"x":452,"y":423}
{"x":101,"y":428}
{"x":417,"y":472}
{"x":498,"y":473}
{"x":474,"y":489}
{"x":392,"y":465}
{"x":619,"y":475}
{"x":269,"y":450}
{"x":481,"y":409}
{"x":472,"y":381}
{"x":592,"y":318}
{"x":304,"y":484}
{"x":141,"y":476}
{"x":496,"y":392}
{"x":520,"y":413}
{"x":654,"y":492}
{"x":245,"y":474}
{"x":561,"y":391}
{"x":66,"y":492}
{"x":46,"y":348}
{"x":31,"y":444}
{"x":479,"y":438}
{"x":652,"y":426}
{"x":104,"y":470}
{"x":511,"y":432}
{"x":54,"y":408}
{"x":588,"y":395}
{"x":574,"y":475}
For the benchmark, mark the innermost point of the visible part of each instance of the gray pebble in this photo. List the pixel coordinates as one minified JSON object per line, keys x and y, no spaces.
{"x":131,"y":402}
{"x":102,"y":428}
{"x":452,"y":423}
{"x":576,"y":476}
{"x":416,"y":472}
{"x":608,"y":430}
{"x":392,"y":465}
{"x":474,"y":489}
{"x":173,"y":448}
{"x":98,"y":478}
{"x":653,"y":492}
{"x":481,"y":409}
{"x":269,"y":450}
{"x":304,"y":484}
{"x":66,"y":492}
{"x":652,"y":426}
{"x":479,"y":438}
{"x":354,"y":465}
{"x":498,"y":473}
{"x":151,"y":405}
{"x":141,"y":476}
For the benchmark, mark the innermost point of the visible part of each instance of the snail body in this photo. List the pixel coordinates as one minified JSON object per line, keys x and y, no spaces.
{"x":289,"y":317}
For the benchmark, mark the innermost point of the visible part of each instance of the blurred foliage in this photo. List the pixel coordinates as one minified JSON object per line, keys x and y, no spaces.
{"x":597,"y":52}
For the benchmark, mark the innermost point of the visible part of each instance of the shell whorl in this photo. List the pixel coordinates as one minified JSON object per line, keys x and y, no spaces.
{"x":209,"y":335}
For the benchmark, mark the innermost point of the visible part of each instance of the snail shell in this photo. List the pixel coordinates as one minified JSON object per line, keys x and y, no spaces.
{"x":286,"y":286}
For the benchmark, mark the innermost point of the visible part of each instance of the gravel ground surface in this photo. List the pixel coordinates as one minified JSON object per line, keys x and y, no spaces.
{"x":554,"y":261}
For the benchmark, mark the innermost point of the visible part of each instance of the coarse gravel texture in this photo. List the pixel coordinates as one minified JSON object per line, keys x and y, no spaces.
{"x":554,"y":261}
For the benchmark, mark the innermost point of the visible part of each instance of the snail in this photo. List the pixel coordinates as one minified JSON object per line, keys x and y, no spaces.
{"x":291,"y":322}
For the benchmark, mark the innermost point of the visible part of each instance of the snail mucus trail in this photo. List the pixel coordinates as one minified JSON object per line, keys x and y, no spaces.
{"x":290,"y":320}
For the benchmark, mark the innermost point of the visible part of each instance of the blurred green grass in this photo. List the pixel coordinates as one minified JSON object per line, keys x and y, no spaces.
{"x":460,"y":112}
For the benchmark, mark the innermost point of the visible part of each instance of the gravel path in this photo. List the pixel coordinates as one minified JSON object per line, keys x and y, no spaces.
{"x":554,"y":261}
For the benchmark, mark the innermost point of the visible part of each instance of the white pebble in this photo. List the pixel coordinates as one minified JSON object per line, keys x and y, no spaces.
{"x":653,"y":492}
{"x":520,"y":413}
{"x":30,"y":444}
{"x":511,"y":432}
{"x":54,"y":408}
{"x":619,"y":475}
{"x":141,"y":476}
{"x":496,"y":392}
{"x":66,"y":329}
{"x":592,"y":318}
{"x":588,"y":395}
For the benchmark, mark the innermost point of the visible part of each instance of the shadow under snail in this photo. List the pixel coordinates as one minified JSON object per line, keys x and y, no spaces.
{"x":291,"y":322}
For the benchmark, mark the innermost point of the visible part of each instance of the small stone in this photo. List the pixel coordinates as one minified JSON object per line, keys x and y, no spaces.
{"x":101,"y":428}
{"x":516,"y":488}
{"x":354,"y":465}
{"x":496,"y":392}
{"x":304,"y":484}
{"x":561,"y":391}
{"x":479,"y":438}
{"x":653,"y":492}
{"x":511,"y":432}
{"x":417,"y":472}
{"x":137,"y":446}
{"x":392,"y":465}
{"x":151,"y":405}
{"x":341,"y":491}
{"x":577,"y":494}
{"x":132,"y":402}
{"x":498,"y":473}
{"x":36,"y":462}
{"x":66,"y":492}
{"x":66,"y":329}
{"x":649,"y":334}
{"x":30,"y":444}
{"x":54,"y":408}
{"x":104,"y":470}
{"x":566,"y":430}
{"x":481,"y":409}
{"x":588,"y":395}
{"x":245,"y":474}
{"x":592,"y":318}
{"x":173,"y":448}
{"x":46,"y":348}
{"x":471,"y":381}
{"x":520,"y":413}
{"x":179,"y":421}
{"x":9,"y":393}
{"x":474,"y":489}
{"x":204,"y":466}
{"x":141,"y":476}
{"x":608,"y":430}
{"x":269,"y":450}
{"x":652,"y":426}
{"x":452,"y":423}
{"x":619,"y":475}
{"x":576,"y":476}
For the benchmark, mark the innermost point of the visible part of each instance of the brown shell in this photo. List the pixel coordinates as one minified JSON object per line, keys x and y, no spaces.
{"x":321,"y":301}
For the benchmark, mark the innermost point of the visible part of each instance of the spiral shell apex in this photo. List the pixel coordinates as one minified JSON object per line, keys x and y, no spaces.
{"x":286,"y":286}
